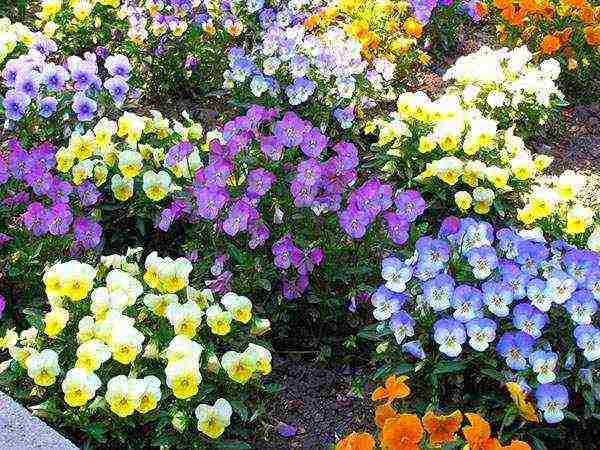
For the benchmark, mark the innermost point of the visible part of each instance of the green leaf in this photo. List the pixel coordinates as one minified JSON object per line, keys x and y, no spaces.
{"x":449,"y":367}
{"x":235,"y":254}
{"x":538,"y":444}
{"x":240,"y":409}
{"x":496,"y":375}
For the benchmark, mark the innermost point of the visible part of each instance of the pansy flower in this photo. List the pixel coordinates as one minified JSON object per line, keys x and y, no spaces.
{"x":442,"y":428}
{"x":386,"y":302}
{"x":483,"y":261}
{"x":397,"y":227}
{"x":537,"y":296}
{"x":479,"y":433}
{"x":356,"y":441}
{"x":579,"y":264}
{"x":409,"y":204}
{"x":402,"y":324}
{"x":515,"y":278}
{"x":481,"y":332}
{"x":559,"y":287}
{"x":450,"y":335}
{"x":581,"y":306}
{"x":515,"y":347}
{"x":396,"y":273}
{"x":552,"y":399}
{"x":529,"y":319}
{"x":587,"y":338}
{"x":475,"y":234}
{"x":395,"y":387}
{"x":433,"y":255}
{"x":467,"y":303}
{"x":507,"y":242}
{"x":402,"y":432}
{"x":383,"y":413}
{"x":529,"y":254}
{"x":544,"y":364}
{"x":497,"y":296}
{"x":439,"y":291}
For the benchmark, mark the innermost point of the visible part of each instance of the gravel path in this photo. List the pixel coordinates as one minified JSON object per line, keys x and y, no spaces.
{"x":19,"y":430}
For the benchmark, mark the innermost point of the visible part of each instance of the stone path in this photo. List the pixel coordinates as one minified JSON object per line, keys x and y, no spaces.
{"x":19,"y":430}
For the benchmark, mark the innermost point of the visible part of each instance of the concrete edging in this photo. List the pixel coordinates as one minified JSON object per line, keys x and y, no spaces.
{"x":20,"y":430}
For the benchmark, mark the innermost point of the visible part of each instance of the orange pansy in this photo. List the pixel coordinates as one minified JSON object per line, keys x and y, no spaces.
{"x":383,"y":413}
{"x":442,"y":428}
{"x":592,"y":35}
{"x":395,"y":387}
{"x":402,"y":433}
{"x":550,"y":44}
{"x":356,"y":441}
{"x":502,"y":4}
{"x":515,"y":16}
{"x":478,"y":434}
{"x":587,"y":14}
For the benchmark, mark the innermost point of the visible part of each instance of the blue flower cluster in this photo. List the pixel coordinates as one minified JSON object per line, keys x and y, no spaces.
{"x":483,"y":284}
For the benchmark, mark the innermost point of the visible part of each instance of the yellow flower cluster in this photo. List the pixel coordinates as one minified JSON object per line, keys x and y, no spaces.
{"x":458,"y":146}
{"x":556,"y":197}
{"x":117,"y":315}
{"x":130,"y":147}
{"x":80,"y":9}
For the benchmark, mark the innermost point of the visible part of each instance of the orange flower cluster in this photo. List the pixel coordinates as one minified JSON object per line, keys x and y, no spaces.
{"x":404,"y":431}
{"x":382,"y":27}
{"x":552,"y":26}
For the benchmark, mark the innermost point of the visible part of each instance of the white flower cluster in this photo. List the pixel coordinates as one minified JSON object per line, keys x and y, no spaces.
{"x":505,"y":79}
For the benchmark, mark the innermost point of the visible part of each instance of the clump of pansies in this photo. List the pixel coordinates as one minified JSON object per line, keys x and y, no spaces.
{"x":45,"y":203}
{"x":406,"y":430}
{"x":75,"y":88}
{"x":99,"y":339}
{"x":269,"y":152}
{"x":297,"y":65}
{"x":498,"y":291}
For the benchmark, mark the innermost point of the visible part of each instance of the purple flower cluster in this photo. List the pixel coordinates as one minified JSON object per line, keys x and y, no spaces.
{"x":517,"y":281}
{"x":50,"y":212}
{"x":373,"y":199}
{"x":31,"y":79}
{"x":267,"y":154}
